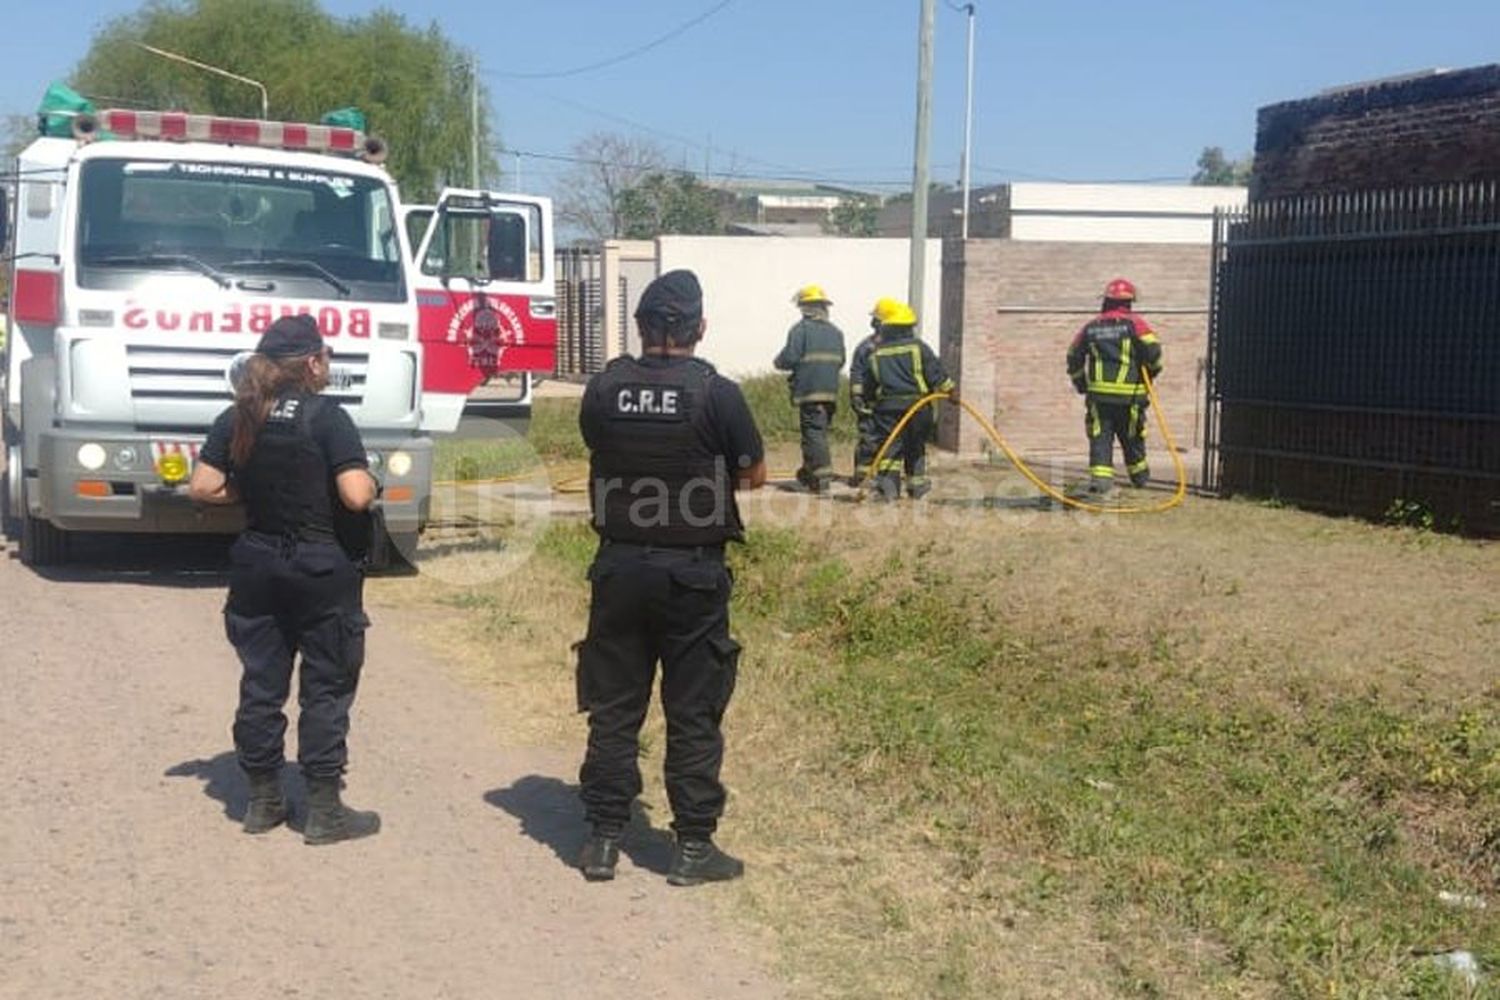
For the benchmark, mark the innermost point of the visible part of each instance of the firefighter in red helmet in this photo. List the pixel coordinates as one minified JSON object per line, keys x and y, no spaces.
{"x":1105,"y":364}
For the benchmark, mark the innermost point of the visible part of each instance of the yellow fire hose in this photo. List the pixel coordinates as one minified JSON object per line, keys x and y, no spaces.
{"x":1161,"y":421}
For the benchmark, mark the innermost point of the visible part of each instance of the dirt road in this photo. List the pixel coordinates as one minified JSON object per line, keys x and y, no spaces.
{"x":123,"y":872}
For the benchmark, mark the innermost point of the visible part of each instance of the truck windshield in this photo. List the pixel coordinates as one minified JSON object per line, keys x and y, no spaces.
{"x":311,"y":234}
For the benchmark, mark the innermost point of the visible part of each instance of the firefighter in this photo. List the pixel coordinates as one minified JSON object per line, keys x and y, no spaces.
{"x":866,"y":444}
{"x":902,"y":370}
{"x":670,"y":441}
{"x":294,"y":459}
{"x":1105,"y":362}
{"x":814,"y":355}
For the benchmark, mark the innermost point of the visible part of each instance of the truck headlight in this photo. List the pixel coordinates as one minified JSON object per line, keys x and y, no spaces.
{"x":92,"y":456}
{"x":399,"y":463}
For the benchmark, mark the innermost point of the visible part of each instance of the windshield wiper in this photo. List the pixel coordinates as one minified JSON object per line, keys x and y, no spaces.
{"x":149,"y":259}
{"x":293,"y":264}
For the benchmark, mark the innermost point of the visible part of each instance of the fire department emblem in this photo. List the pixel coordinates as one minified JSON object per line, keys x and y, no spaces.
{"x":488,"y":326}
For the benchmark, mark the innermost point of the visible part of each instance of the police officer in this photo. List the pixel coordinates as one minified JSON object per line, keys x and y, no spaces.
{"x":1105,"y":361}
{"x":866,"y":444}
{"x":296,"y":461}
{"x":902,"y":370}
{"x":814,"y":354}
{"x":670,"y":441}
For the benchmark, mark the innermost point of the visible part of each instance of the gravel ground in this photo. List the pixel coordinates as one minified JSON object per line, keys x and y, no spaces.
{"x":123,"y":872}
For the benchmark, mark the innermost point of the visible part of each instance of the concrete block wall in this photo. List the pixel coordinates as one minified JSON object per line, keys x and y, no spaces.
{"x":1425,"y":130}
{"x":1010,"y":364}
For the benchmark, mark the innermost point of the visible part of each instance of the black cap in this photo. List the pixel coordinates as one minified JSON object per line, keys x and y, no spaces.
{"x":675,"y":297}
{"x":290,"y":337}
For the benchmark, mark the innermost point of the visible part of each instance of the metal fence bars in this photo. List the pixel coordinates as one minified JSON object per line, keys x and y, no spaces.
{"x":1354,"y":355}
{"x":580,"y":312}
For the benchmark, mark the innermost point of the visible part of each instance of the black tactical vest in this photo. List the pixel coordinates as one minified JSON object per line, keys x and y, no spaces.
{"x":657,"y":474}
{"x":285,"y":484}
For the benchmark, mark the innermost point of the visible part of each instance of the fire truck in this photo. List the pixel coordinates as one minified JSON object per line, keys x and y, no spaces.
{"x":150,"y":250}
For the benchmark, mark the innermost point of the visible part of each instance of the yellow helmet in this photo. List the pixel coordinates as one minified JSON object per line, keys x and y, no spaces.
{"x":897,"y":314}
{"x":885,"y":306}
{"x":810,"y":294}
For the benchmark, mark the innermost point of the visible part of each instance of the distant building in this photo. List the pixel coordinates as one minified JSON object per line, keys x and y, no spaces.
{"x":1085,"y":213}
{"x":781,"y":208}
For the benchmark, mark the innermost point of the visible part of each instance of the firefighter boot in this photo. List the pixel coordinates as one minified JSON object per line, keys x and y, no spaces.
{"x":600,"y":854}
{"x":697,"y":860}
{"x":329,"y":820}
{"x":267,"y":808}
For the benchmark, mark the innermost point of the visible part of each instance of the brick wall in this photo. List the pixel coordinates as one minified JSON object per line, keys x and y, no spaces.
{"x":1427,"y":130}
{"x":1010,"y":365}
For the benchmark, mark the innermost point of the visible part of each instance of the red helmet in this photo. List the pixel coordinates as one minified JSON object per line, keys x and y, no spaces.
{"x":1121,"y":290}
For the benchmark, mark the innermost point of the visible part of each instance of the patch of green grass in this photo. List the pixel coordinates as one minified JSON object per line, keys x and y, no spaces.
{"x":771,"y":404}
{"x":1309,"y":835}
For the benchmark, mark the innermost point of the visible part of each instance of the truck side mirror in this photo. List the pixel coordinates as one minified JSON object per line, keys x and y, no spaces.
{"x":4,"y":215}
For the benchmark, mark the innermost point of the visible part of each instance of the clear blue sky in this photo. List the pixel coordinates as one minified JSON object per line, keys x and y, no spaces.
{"x":1064,"y":89}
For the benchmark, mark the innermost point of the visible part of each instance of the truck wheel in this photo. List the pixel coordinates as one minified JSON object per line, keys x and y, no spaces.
{"x":42,"y":542}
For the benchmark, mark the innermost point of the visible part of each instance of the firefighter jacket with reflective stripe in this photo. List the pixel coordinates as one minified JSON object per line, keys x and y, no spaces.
{"x":814,"y":354}
{"x":658,"y":475}
{"x":859,"y":364}
{"x":902,"y":370}
{"x":1106,"y":357}
{"x":285,"y":484}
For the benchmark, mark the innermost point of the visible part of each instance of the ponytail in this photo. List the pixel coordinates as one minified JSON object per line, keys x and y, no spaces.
{"x":261,"y":382}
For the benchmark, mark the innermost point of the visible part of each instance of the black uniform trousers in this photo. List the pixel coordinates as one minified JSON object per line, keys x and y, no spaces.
{"x":289,"y":596}
{"x":817,"y":461}
{"x":866,"y":443}
{"x":1106,"y":422}
{"x":655,"y":604}
{"x":907,"y":453}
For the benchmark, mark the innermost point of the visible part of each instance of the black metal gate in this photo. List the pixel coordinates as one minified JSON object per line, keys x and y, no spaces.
{"x":580,"y":311}
{"x":1353,"y":355}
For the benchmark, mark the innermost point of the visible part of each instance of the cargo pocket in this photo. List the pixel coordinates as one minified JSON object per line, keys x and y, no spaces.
{"x":727,"y":654}
{"x":353,"y":626}
{"x":582,"y":677}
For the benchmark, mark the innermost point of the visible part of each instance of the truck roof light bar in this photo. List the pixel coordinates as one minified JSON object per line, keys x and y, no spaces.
{"x":183,"y":127}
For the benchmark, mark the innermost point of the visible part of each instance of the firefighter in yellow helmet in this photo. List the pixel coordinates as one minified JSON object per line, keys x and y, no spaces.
{"x":902,"y":370}
{"x":814,"y":356}
{"x":866,"y":442}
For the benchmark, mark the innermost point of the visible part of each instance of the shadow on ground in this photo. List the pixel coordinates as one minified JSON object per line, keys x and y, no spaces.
{"x":551,"y":814}
{"x":224,"y":782}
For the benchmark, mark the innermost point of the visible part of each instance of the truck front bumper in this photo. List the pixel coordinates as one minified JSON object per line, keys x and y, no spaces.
{"x":128,"y":493}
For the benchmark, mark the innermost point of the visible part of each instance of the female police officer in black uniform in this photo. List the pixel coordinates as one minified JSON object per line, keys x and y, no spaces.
{"x":293,"y":458}
{"x":670,"y":441}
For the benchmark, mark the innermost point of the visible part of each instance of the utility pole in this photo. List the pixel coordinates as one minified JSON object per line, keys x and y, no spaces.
{"x":968,"y":122}
{"x":919,"y":167}
{"x":474,"y":123}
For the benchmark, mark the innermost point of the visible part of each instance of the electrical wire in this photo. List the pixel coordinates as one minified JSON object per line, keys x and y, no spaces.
{"x":622,"y":57}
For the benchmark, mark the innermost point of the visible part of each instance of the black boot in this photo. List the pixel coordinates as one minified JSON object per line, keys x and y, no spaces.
{"x":329,"y":820}
{"x":697,"y":860}
{"x":600,"y":854}
{"x":267,"y":809}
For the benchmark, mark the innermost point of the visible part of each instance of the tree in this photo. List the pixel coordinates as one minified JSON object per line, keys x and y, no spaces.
{"x":855,"y":216}
{"x":607,"y":166}
{"x":1217,"y":170}
{"x":411,"y":83}
{"x":675,"y":203}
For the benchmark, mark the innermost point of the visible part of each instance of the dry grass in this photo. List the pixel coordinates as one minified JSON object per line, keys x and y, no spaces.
{"x":1227,"y":751}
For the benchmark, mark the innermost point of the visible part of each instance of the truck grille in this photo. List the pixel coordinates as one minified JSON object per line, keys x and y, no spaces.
{"x":198,"y":374}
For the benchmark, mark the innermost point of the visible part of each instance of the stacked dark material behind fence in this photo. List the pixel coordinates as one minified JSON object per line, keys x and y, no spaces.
{"x":580,"y":312}
{"x":1355,"y":355}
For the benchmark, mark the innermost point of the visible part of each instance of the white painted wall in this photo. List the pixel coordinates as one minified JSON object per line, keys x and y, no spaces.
{"x":1118,"y":213}
{"x":748,"y":283}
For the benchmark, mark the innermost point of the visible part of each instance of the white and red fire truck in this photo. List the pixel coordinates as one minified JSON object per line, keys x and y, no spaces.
{"x":150,"y":251}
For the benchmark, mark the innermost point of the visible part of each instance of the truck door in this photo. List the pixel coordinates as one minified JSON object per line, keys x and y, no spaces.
{"x":485,"y":300}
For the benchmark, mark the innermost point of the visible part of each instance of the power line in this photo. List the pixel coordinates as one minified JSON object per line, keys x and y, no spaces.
{"x":622,"y":57}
